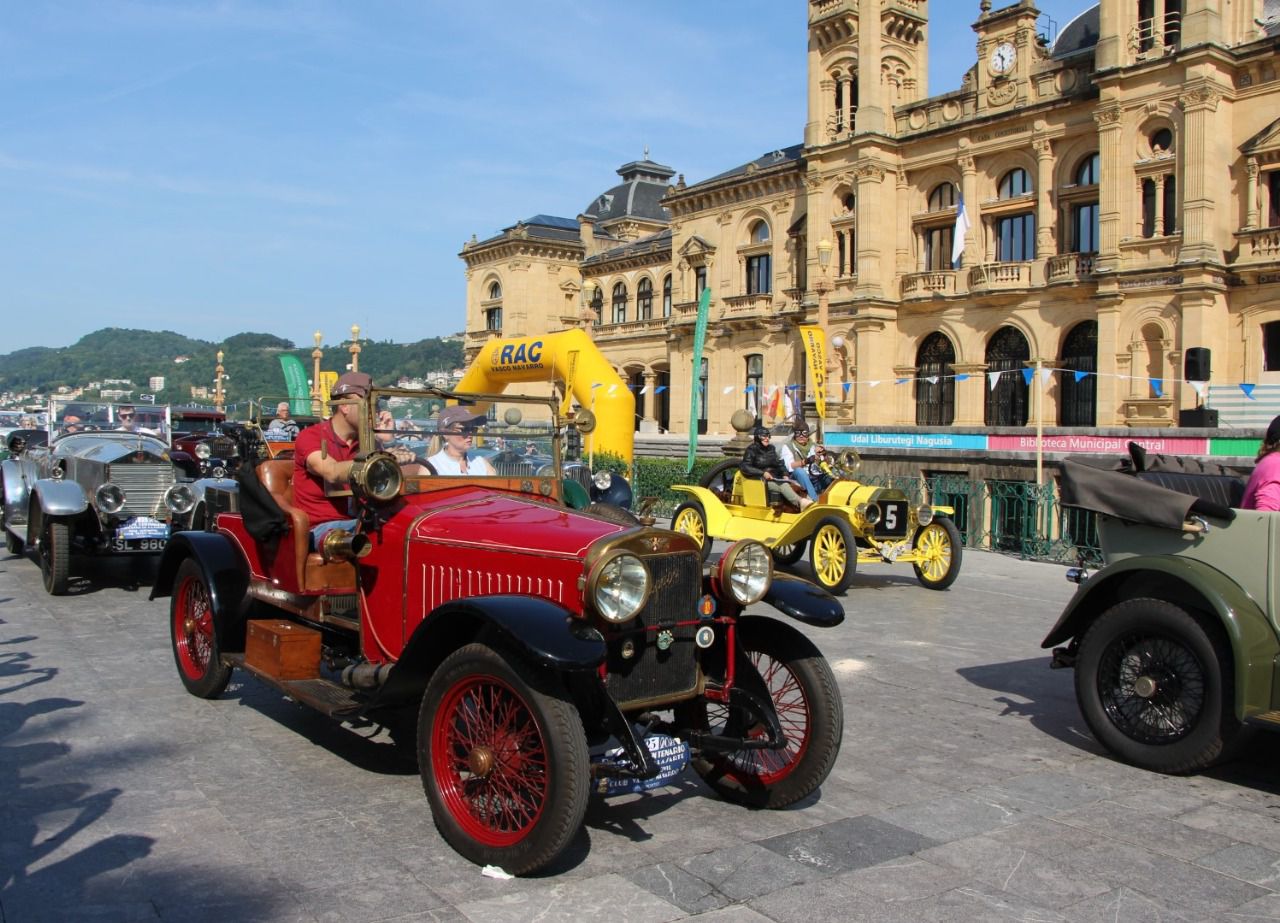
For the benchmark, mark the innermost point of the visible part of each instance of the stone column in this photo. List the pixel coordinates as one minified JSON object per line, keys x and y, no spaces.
{"x":1107,"y":119}
{"x":648,"y":400}
{"x":1107,"y":390}
{"x":969,"y":189}
{"x":871,"y":110}
{"x":905,"y":401}
{"x":971,"y":394}
{"x":1200,"y":156}
{"x":1251,"y":194}
{"x":1044,"y":199}
{"x":870,"y":179}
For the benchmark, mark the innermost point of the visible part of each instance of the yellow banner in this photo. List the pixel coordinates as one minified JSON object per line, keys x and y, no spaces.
{"x":325,"y":386}
{"x":567,"y":404}
{"x":815,"y":349}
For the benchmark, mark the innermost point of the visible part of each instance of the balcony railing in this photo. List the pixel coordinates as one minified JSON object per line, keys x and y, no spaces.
{"x":997,"y":276}
{"x":928,"y":284}
{"x":1260,"y":246}
{"x":629,"y":328}
{"x":742,"y":305}
{"x":821,"y":9}
{"x":1069,"y":267}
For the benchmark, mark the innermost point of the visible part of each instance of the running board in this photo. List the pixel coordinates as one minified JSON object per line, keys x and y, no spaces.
{"x":1270,"y":720}
{"x":327,"y":697}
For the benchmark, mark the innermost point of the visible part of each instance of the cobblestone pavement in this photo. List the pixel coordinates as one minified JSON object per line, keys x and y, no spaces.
{"x":967,"y":789}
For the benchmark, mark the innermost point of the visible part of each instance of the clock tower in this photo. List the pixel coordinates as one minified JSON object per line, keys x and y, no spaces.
{"x":1008,"y":51}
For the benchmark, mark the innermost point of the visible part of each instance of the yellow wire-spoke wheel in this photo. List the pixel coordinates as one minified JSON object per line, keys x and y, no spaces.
{"x":833,"y":556}
{"x":938,"y":551}
{"x":692,"y":521}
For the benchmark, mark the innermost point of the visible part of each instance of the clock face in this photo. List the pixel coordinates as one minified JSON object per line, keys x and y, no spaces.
{"x":1002,"y":58}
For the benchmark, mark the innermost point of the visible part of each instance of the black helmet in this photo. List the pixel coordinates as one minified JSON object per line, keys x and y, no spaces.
{"x":759,"y":433}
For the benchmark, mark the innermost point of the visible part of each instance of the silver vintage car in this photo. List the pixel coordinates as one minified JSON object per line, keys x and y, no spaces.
{"x":102,"y":484}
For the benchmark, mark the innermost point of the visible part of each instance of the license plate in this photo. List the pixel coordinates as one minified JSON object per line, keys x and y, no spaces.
{"x":141,"y":527}
{"x":127,"y":545}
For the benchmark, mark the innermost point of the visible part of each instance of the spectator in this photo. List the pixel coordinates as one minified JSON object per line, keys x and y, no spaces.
{"x":458,"y":425}
{"x":1263,"y":490}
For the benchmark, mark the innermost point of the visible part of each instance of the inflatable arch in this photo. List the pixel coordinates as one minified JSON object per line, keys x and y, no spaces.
{"x":573,"y":360}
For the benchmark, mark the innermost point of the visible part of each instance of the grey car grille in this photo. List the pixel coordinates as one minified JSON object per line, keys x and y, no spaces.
{"x":144,"y":487}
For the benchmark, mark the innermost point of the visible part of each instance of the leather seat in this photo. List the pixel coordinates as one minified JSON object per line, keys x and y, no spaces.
{"x":277,"y":476}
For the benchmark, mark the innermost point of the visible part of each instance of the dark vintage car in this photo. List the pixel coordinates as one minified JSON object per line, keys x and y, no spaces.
{"x":526,"y":653}
{"x":89,"y":489}
{"x":1175,"y":640}
{"x":201,"y":446}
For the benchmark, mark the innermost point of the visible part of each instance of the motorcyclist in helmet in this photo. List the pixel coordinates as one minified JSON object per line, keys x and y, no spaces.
{"x":761,"y":461}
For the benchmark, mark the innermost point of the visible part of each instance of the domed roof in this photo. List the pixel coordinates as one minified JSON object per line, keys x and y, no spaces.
{"x":1080,"y":34}
{"x":639,"y":195}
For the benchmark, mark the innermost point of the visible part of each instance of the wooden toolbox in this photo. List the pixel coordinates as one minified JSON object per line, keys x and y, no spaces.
{"x":282,"y":649}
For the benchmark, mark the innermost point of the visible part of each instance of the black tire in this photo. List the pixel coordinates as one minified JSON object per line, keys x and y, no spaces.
{"x":719,"y":480}
{"x":1156,"y":688}
{"x":833,"y":555}
{"x":498,"y":743}
{"x":942,"y":546}
{"x":194,"y":634}
{"x":12,"y":543}
{"x":55,"y":555}
{"x":809,"y":707}
{"x":786,"y":555}
{"x":691,"y":519}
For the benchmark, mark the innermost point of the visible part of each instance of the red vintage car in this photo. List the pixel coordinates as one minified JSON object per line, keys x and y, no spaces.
{"x":528,"y":654}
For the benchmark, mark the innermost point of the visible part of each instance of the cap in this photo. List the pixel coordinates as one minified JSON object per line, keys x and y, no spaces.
{"x":453,"y":418}
{"x":351,"y":384}
{"x":1273,"y":432}
{"x":759,"y":432}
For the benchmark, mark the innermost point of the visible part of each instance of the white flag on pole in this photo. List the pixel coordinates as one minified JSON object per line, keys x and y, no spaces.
{"x":957,"y":235}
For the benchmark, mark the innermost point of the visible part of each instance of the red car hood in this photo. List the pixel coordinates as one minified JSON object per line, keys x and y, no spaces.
{"x":485,"y":519}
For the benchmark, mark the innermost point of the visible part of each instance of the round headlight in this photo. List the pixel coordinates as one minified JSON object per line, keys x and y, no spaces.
{"x":745,"y":572}
{"x":203,"y":450}
{"x":924,"y":513}
{"x":619,"y":586}
{"x":603,"y":479}
{"x":377,"y":478}
{"x":110,"y":498}
{"x":868,"y":513}
{"x":179,"y":499}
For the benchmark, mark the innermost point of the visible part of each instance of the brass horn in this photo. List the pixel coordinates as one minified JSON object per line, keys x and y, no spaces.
{"x":584,"y":420}
{"x":342,"y":545}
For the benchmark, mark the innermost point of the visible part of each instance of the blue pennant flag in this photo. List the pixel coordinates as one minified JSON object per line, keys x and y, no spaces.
{"x":1080,"y":374}
{"x":901,"y":381}
{"x":1027,"y":375}
{"x":659,"y":389}
{"x":1157,"y":385}
{"x":846,"y":388}
{"x":962,"y":377}
{"x":1247,"y":388}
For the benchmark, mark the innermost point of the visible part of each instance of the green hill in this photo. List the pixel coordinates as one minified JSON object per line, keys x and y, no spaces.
{"x":251,"y":362}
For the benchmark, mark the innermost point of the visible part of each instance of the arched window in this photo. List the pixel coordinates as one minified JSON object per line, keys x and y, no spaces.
{"x":620,"y":303}
{"x":1015,"y":233}
{"x":644,"y":300}
{"x":1077,"y":405}
{"x":1007,"y":352}
{"x":937,"y":233}
{"x":495,"y":291}
{"x":597,"y":304}
{"x":666,"y":296}
{"x":493,"y":308}
{"x":759,"y":264}
{"x":1153,"y":346}
{"x":1081,"y":203}
{"x":935,"y":382}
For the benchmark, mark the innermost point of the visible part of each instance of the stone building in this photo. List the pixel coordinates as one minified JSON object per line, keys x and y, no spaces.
{"x":1115,"y":188}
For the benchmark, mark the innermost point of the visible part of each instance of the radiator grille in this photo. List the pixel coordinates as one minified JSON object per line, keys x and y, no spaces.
{"x":653,"y":673}
{"x":144,"y":487}
{"x":222,"y":447}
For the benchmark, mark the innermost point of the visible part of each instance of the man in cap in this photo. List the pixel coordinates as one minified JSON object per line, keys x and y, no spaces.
{"x":457,"y":425}
{"x":324,"y":453}
{"x":761,"y":460}
{"x":795,"y":457}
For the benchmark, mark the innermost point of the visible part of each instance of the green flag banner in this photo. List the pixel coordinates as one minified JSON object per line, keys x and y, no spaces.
{"x":695,"y":379}
{"x":295,"y":381}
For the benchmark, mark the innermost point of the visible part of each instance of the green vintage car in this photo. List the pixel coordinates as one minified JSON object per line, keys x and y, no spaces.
{"x":1175,"y":640}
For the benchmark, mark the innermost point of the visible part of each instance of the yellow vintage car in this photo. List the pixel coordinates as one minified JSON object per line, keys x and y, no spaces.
{"x":851,"y":523}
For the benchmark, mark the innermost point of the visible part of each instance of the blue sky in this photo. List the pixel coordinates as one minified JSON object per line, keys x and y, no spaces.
{"x":217,"y":166}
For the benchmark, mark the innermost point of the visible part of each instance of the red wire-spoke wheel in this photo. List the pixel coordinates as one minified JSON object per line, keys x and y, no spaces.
{"x":194,"y":634}
{"x":503,"y":760}
{"x":807,"y":702}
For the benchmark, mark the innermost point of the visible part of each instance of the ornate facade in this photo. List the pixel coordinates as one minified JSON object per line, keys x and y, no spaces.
{"x":1094,"y":203}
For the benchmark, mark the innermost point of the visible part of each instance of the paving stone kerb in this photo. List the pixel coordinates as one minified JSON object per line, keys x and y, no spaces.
{"x":967,"y":788}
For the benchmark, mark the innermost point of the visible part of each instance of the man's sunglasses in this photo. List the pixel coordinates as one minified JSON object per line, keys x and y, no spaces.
{"x":126,"y":416}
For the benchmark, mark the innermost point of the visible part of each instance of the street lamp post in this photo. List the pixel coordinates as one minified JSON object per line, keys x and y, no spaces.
{"x":355,"y":347}
{"x":317,"y":405}
{"x":823,"y":289}
{"x":217,"y":383}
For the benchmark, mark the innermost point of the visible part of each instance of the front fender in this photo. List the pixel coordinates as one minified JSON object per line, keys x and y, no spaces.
{"x":545,"y":632}
{"x":225,"y":574}
{"x":804,"y":601}
{"x":60,"y":498}
{"x":15,"y":492}
{"x":1188,"y":583}
{"x":714,"y":508}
